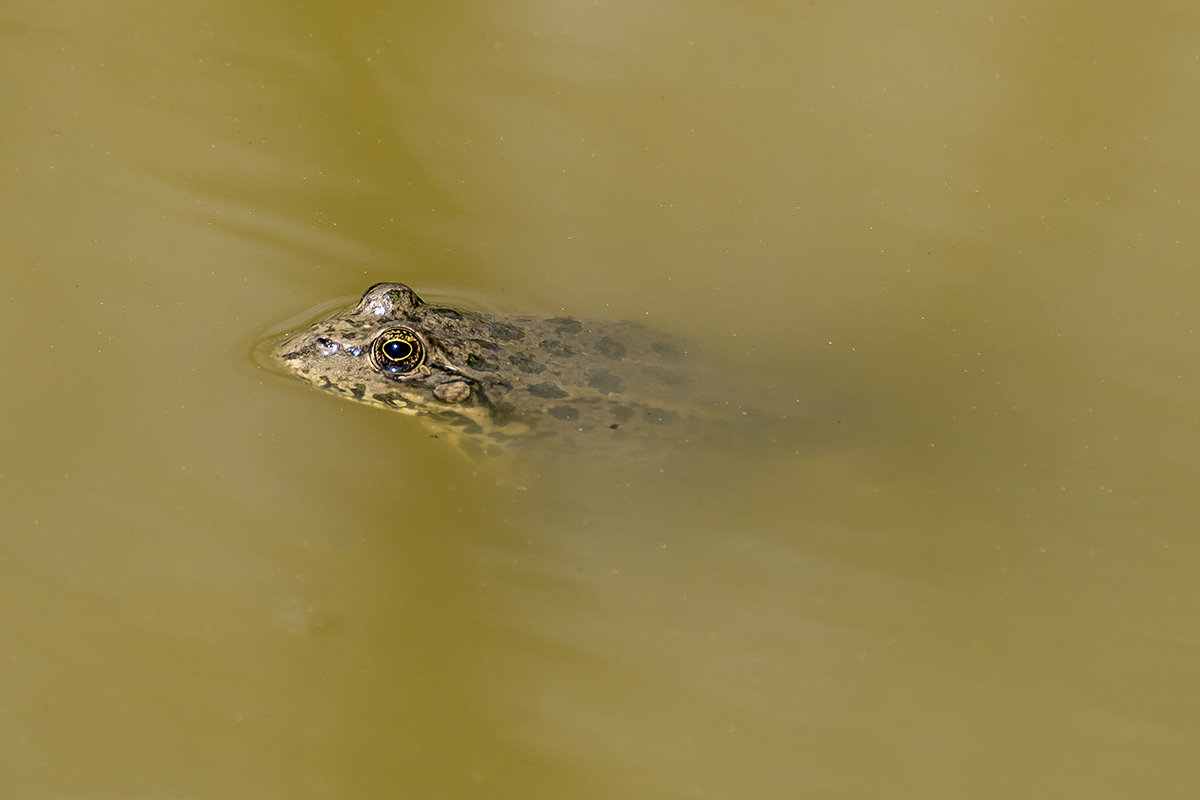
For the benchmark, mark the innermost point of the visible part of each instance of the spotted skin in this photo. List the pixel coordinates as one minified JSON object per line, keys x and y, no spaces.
{"x":500,"y":378}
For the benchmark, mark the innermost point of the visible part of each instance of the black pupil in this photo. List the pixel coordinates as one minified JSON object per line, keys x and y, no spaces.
{"x":397,"y":349}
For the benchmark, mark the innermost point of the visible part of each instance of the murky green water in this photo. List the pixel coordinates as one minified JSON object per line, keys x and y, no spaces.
{"x":962,"y":236}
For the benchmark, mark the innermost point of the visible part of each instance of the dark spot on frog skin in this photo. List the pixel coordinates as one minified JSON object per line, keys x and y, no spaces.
{"x":463,"y":423}
{"x":502,"y":331}
{"x":565,"y":325}
{"x":393,"y":399}
{"x":555,"y":347}
{"x":622,"y":413}
{"x":526,"y":363}
{"x":604,"y":381}
{"x":548,"y":390}
{"x":667,"y":376}
{"x":667,"y":350}
{"x":481,"y":364}
{"x":610,"y":348}
{"x":502,"y":412}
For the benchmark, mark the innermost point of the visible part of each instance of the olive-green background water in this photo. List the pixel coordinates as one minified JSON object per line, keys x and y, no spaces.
{"x":964,"y":235}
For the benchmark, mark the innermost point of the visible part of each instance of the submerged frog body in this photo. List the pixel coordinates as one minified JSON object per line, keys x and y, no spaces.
{"x":499,"y":377}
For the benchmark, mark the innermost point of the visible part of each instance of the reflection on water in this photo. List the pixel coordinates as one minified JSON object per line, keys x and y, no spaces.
{"x":961,"y":566}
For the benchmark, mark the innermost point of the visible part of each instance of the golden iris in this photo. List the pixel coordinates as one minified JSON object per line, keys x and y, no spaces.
{"x":398,"y":351}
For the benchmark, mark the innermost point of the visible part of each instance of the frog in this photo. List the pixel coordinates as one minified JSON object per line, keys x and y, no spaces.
{"x":496,"y":379}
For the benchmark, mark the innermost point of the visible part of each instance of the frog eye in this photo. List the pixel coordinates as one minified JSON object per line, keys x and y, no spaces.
{"x":398,"y":351}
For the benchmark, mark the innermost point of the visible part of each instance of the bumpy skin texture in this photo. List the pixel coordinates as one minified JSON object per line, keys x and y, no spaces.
{"x":497,"y":377}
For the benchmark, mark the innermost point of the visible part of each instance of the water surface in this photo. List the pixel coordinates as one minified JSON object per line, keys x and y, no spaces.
{"x":963,"y":234}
